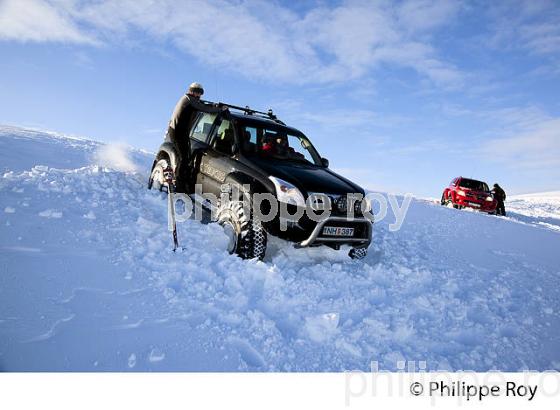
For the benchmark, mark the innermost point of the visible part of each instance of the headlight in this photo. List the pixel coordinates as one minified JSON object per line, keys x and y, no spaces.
{"x":461,"y":192}
{"x":362,"y":206}
{"x":489,"y":198}
{"x":288,"y":193}
{"x":342,"y":203}
{"x":358,"y":207}
{"x":366,"y":205}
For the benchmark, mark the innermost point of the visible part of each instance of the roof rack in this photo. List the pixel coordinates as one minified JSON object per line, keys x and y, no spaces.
{"x":249,"y":111}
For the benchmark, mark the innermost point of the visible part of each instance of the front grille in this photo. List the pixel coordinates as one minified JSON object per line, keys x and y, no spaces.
{"x":362,"y":231}
{"x":341,"y":204}
{"x":338,"y":204}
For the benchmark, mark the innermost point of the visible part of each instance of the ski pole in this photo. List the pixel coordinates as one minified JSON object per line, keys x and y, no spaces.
{"x":171,"y":222}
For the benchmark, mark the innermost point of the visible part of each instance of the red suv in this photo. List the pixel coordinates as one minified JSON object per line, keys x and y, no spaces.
{"x":470,"y":193}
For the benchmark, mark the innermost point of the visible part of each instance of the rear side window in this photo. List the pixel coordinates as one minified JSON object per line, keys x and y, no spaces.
{"x":249,"y":137}
{"x":203,"y":126}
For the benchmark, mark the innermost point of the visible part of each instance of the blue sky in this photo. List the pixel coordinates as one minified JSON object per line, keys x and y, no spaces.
{"x":400,"y":96}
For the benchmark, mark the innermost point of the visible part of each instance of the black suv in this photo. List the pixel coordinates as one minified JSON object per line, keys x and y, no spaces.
{"x":256,"y":153}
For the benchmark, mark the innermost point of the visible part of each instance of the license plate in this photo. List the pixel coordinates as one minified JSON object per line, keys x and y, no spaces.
{"x":338,"y":231}
{"x":475,"y":204}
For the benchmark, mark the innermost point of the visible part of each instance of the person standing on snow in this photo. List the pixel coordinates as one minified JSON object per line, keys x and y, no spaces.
{"x":500,"y":196}
{"x":180,"y":125}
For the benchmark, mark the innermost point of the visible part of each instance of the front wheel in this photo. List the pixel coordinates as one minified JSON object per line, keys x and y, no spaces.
{"x":161,"y":174}
{"x":246,"y":236}
{"x":358,"y":253}
{"x":456,"y":206}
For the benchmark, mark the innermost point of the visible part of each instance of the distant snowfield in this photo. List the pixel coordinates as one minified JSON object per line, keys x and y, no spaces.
{"x":88,"y":281}
{"x":539,"y":209}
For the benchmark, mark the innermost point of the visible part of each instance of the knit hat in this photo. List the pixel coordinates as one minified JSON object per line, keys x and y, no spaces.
{"x":196,"y":88}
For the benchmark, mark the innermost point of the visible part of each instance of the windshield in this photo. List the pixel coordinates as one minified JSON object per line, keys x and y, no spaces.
{"x":474,"y":185}
{"x":278,"y":143}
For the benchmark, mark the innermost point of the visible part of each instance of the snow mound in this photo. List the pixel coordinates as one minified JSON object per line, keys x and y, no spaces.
{"x":89,"y":283}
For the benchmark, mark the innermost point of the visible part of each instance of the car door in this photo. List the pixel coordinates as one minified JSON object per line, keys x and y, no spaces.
{"x":217,"y":161}
{"x":200,"y":134}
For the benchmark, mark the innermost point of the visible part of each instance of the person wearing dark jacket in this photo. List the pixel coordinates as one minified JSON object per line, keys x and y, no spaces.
{"x":500,"y":196}
{"x":179,"y":128}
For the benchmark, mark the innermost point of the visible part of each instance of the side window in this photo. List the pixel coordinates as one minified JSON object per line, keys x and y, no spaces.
{"x":203,"y":126}
{"x":223,"y":139}
{"x":251,"y":134}
{"x":300,"y":147}
{"x":454,"y":182}
{"x":249,"y":139}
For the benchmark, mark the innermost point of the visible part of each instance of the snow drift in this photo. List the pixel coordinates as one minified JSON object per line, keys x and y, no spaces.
{"x":88,"y":281}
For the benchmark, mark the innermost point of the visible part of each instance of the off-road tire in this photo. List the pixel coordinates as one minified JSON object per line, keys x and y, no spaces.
{"x":157,"y":178}
{"x":358,"y":253}
{"x":247,"y":237}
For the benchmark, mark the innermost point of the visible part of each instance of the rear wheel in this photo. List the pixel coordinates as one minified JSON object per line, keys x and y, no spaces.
{"x":246,"y":236}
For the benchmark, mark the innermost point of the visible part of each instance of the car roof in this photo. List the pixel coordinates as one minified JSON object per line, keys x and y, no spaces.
{"x":261,"y":121}
{"x":472,"y":179}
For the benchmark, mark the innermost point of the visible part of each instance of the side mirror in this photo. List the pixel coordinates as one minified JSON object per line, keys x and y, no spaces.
{"x":325,"y":162}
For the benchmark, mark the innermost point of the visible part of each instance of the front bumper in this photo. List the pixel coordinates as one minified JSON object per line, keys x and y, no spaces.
{"x":362,"y":238}
{"x":476,"y":203}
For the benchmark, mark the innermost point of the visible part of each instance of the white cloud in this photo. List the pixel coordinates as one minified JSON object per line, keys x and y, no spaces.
{"x":511,"y":120}
{"x":516,"y":120}
{"x":518,"y":137}
{"x":538,"y":146}
{"x":423,"y":15}
{"x":363,"y":123}
{"x":38,"y":21}
{"x":358,"y":36}
{"x":527,"y":24}
{"x":542,"y":38}
{"x":258,"y":39}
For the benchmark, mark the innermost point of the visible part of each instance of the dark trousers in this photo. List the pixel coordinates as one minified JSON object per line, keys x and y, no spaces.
{"x":501,"y":209}
{"x":182,"y":171}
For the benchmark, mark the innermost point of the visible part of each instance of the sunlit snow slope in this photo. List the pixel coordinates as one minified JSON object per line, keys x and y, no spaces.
{"x":88,"y":281}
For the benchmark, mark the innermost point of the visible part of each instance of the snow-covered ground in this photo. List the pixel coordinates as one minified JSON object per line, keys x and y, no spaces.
{"x":88,"y":281}
{"x":541,"y":209}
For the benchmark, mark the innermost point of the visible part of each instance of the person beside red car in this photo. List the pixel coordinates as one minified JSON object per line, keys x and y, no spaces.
{"x":500,"y":196}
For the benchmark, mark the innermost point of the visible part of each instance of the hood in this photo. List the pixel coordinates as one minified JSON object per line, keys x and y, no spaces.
{"x":307,"y":178}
